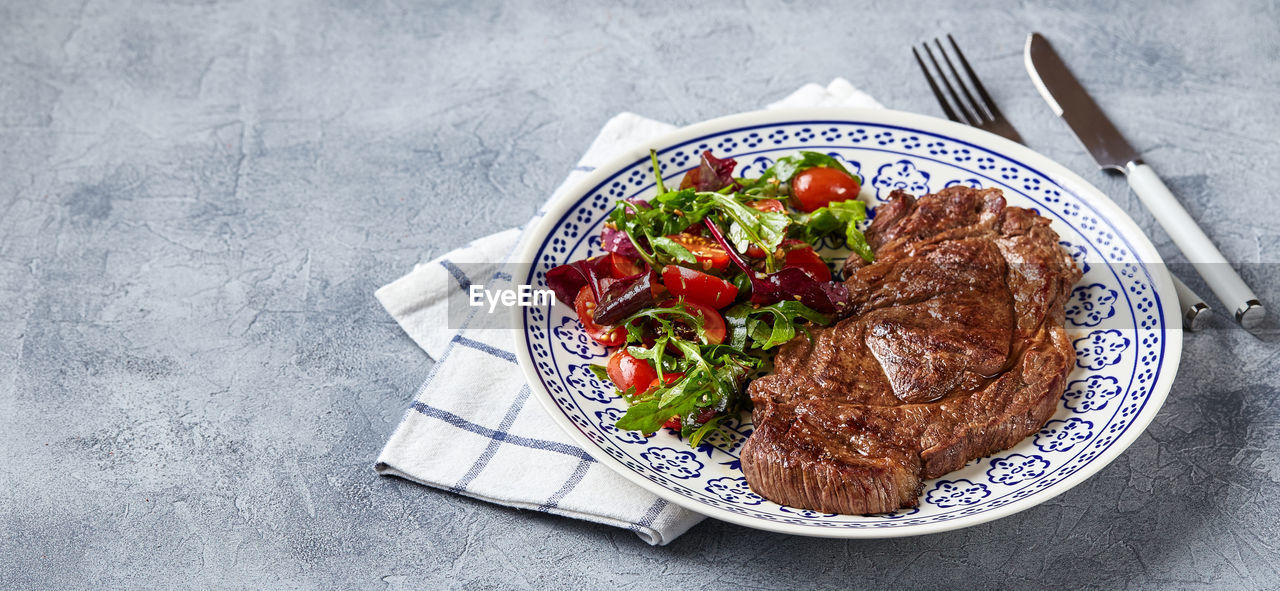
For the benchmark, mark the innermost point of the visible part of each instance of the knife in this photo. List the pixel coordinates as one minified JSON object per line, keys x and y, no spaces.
{"x":1195,"y":313}
{"x":1069,"y":101}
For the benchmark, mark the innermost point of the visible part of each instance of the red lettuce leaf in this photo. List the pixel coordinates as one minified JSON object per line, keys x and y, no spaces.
{"x":789,"y":283}
{"x":567,"y":280}
{"x":712,"y":175}
{"x":616,"y":299}
{"x":625,"y":297}
{"x":617,"y":241}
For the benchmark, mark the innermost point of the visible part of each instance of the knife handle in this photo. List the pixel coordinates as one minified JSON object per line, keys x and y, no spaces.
{"x":1191,"y":240}
{"x":1195,"y":313}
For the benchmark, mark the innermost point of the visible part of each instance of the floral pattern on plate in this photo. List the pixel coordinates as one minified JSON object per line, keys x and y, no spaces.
{"x":1117,"y":320}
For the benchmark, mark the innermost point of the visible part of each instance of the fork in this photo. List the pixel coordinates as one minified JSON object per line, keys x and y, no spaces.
{"x":985,"y":115}
{"x":982,"y":114}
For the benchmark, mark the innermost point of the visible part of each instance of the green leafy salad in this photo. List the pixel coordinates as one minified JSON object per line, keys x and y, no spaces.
{"x":701,"y":284}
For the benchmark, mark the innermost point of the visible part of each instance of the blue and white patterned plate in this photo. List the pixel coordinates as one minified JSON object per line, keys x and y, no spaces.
{"x":1122,"y":317}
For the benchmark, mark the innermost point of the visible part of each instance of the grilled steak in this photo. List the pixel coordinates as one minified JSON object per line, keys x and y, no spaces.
{"x":953,"y":349}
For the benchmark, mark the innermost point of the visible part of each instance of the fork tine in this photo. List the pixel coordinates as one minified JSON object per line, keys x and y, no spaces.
{"x":977,"y":82}
{"x":937,"y":92}
{"x":968,"y":117}
{"x":973,"y":103}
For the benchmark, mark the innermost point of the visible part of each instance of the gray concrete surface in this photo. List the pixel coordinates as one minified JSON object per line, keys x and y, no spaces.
{"x":198,"y":199}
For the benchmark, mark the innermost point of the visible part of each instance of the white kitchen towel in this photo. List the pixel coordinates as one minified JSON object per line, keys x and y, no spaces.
{"x":472,"y":428}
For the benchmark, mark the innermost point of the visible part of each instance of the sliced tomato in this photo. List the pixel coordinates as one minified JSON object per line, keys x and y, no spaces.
{"x":818,"y":187}
{"x":806,"y":259}
{"x":708,"y":252}
{"x":621,"y":267}
{"x":628,"y":372}
{"x":699,"y":287}
{"x":768,"y":205}
{"x":712,"y":322}
{"x":585,"y":305}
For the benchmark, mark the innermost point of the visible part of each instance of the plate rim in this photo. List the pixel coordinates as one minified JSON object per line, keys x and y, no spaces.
{"x":1086,"y":191}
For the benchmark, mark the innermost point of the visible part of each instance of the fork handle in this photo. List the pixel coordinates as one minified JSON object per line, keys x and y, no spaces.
{"x":1191,"y":240}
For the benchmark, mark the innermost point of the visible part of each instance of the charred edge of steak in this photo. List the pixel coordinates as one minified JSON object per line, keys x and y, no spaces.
{"x":955,"y":350}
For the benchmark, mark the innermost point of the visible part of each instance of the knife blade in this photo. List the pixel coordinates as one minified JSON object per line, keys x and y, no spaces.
{"x":1072,"y":104}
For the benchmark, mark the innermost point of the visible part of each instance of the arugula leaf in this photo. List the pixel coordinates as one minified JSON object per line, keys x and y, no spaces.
{"x":707,"y":384}
{"x":713,"y":373}
{"x":735,"y":321}
{"x":857,"y":242}
{"x":769,"y":326}
{"x":601,"y":372}
{"x":696,"y":436}
{"x":674,"y":212}
{"x":649,"y":415}
{"x":674,"y":393}
{"x":657,"y":171}
{"x":674,"y":249}
{"x":785,"y":168}
{"x":765,"y":229}
{"x":839,"y":219}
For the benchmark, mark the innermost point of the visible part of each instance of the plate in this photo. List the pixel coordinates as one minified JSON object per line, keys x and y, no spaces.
{"x":1122,"y":318}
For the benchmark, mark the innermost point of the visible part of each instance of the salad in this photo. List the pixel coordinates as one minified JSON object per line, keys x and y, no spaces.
{"x":700,"y":284}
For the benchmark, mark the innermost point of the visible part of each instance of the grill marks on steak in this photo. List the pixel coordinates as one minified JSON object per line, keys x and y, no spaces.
{"x":953,"y":349}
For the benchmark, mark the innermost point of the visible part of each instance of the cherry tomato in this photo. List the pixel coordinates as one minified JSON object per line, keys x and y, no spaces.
{"x":628,"y":372}
{"x":698,"y":286}
{"x":712,"y":322}
{"x":807,"y":260}
{"x":621,"y":267}
{"x":708,"y":252}
{"x":768,"y":205}
{"x":585,"y":305}
{"x":819,"y":187}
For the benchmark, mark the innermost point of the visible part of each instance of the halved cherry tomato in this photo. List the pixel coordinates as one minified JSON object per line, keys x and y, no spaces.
{"x":628,"y":372}
{"x":768,"y":205}
{"x":819,"y":187}
{"x":708,"y":252}
{"x":585,"y":305}
{"x":699,"y":287}
{"x":621,"y":267}
{"x":712,"y":322}
{"x":807,"y":260}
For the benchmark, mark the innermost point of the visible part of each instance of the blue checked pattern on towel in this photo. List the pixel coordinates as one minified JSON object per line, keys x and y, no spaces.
{"x":472,"y":429}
